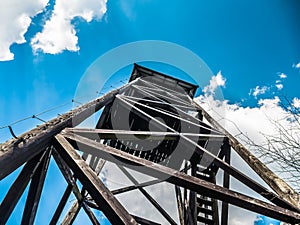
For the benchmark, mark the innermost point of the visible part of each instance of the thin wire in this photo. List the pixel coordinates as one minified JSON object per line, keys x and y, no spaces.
{"x":18,"y":121}
{"x":52,"y":109}
{"x":34,"y":116}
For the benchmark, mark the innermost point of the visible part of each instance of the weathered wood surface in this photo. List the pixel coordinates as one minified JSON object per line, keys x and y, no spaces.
{"x":15,"y":152}
{"x":17,"y":188}
{"x":192,"y":183}
{"x":284,"y":190}
{"x":110,"y":206}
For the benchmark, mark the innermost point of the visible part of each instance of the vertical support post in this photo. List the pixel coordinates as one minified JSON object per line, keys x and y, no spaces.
{"x":277,"y":184}
{"x":79,"y":195}
{"x":193,"y":194}
{"x":16,"y":190}
{"x":110,"y":206}
{"x":90,"y":214}
{"x":179,"y":204}
{"x":215,"y":203}
{"x":35,"y":190}
{"x":226,"y":181}
{"x":71,"y":216}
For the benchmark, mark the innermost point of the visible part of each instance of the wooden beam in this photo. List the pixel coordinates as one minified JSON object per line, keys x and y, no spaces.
{"x":278,"y":200}
{"x":110,"y":206}
{"x":179,"y":205}
{"x":284,"y":190}
{"x":143,"y":221}
{"x":184,"y":180}
{"x":254,"y":185}
{"x":226,"y":182}
{"x":71,"y":216}
{"x":90,"y":214}
{"x":66,"y":172}
{"x":128,"y":134}
{"x":17,"y":188}
{"x":148,"y":196}
{"x":71,"y":180}
{"x":215,"y":206}
{"x":15,"y":152}
{"x":61,"y":205}
{"x":228,"y":168}
{"x":35,"y":190}
{"x":134,"y":187}
{"x":139,"y":220}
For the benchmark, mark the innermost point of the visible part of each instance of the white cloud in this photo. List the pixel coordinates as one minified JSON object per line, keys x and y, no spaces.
{"x":216,"y":81}
{"x":258,"y":90}
{"x":279,"y":86}
{"x":296,"y":102}
{"x":15,"y":18}
{"x":297,"y":65}
{"x":252,"y":121}
{"x":282,"y":75}
{"x":58,"y":33}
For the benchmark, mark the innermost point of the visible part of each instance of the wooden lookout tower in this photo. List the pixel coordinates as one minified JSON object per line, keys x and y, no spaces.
{"x":152,"y":126}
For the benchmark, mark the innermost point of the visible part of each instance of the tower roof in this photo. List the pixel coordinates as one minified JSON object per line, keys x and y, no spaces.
{"x":158,"y":77}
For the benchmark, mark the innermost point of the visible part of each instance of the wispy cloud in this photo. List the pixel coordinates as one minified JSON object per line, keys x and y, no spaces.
{"x":279,"y":82}
{"x":59,"y":33}
{"x":15,"y":19}
{"x":296,"y":65}
{"x":215,"y":82}
{"x":279,"y":86}
{"x":282,"y":75}
{"x":253,"y":122}
{"x":258,"y":91}
{"x":296,"y":102}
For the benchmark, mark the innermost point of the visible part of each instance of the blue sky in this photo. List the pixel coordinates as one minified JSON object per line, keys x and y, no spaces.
{"x":250,"y":42}
{"x":254,"y":45}
{"x":262,"y":220}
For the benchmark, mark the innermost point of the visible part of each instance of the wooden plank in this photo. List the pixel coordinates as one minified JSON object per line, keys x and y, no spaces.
{"x":110,"y":206}
{"x":72,"y":214}
{"x":215,"y":206}
{"x":184,"y":180}
{"x":134,"y":187}
{"x":139,"y":220}
{"x":284,"y":190}
{"x":65,"y":170}
{"x":149,"y":197}
{"x":35,"y":190}
{"x":226,"y":182}
{"x":143,"y":221}
{"x":128,"y":134}
{"x":179,"y":205}
{"x":90,"y":214}
{"x":254,"y":185}
{"x":219,"y":163}
{"x":278,"y":200}
{"x":193,"y":196}
{"x":15,"y":152}
{"x":17,"y":188}
{"x":72,"y":182}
